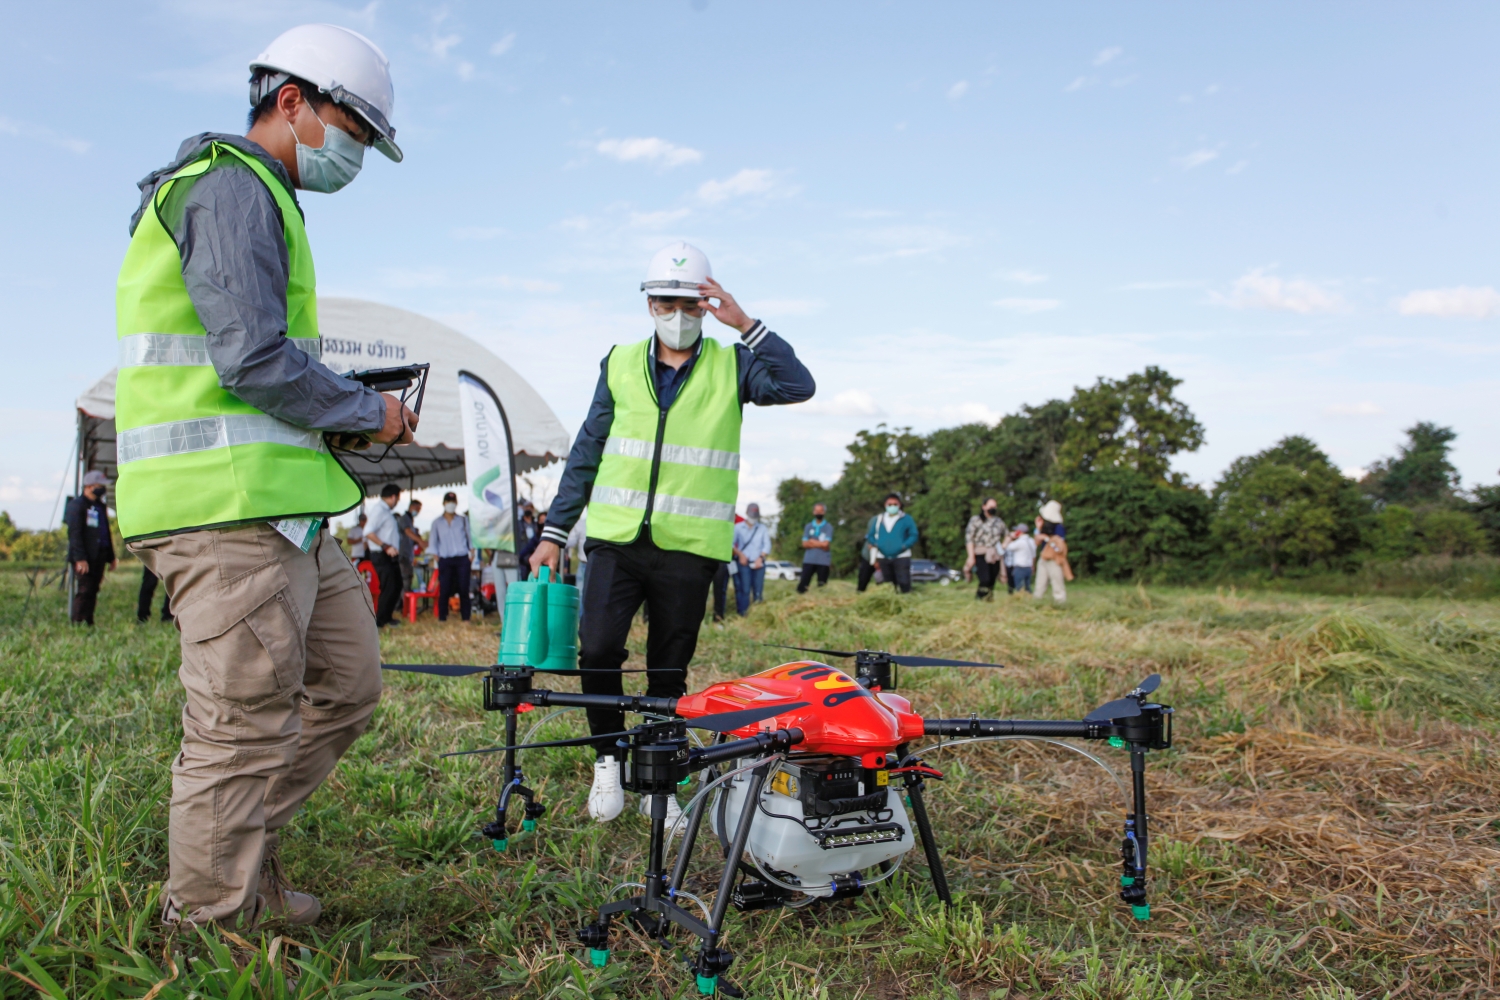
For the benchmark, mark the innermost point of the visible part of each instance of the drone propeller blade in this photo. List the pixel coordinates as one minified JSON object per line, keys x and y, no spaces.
{"x":1120,"y":708}
{"x":724,"y":722}
{"x":576,"y":741}
{"x":440,"y":669}
{"x":807,"y":649}
{"x":584,"y":671}
{"x":931,"y":661}
{"x":1150,"y":684}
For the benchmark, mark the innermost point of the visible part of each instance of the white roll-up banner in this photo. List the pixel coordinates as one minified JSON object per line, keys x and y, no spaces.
{"x":489,"y":462}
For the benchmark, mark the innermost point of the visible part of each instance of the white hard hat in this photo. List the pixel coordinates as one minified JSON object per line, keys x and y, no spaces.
{"x":343,"y":64}
{"x":677,"y":271}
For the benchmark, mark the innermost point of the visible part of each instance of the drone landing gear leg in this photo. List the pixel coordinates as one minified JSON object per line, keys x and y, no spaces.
{"x":1133,"y":850}
{"x":713,"y":961}
{"x":929,"y":842}
{"x":512,"y":783}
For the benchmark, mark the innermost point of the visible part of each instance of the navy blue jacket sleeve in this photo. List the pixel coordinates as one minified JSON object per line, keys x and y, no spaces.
{"x":583,"y":463}
{"x":770,"y":373}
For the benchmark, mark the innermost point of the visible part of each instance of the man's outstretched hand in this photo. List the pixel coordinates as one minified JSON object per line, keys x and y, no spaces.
{"x":546,"y":554}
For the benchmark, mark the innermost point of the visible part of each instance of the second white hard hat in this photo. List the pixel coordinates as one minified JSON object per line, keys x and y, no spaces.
{"x":677,"y":271}
{"x":343,"y":64}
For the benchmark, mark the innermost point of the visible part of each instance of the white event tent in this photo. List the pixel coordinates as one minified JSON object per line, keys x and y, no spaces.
{"x":358,"y":335}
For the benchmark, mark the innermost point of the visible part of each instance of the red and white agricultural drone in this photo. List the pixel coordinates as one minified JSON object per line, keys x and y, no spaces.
{"x":810,"y":766}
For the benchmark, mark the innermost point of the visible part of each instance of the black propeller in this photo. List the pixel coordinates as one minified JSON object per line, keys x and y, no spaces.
{"x":458,"y":670}
{"x":1127,"y":707}
{"x":900,"y":661}
{"x":721,"y":722}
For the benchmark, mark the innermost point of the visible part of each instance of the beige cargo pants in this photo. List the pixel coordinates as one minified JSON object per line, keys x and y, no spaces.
{"x":1049,"y":572}
{"x":281,"y":667}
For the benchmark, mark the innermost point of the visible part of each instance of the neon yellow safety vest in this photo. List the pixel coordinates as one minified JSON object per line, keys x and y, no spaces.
{"x":678,"y":469}
{"x":191,"y":454}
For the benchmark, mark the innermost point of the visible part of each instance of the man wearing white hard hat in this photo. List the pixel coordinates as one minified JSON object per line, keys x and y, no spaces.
{"x":657,"y":466}
{"x":223,"y":413}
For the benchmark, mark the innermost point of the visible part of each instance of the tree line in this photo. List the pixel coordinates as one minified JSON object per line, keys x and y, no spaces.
{"x":1106,"y":454}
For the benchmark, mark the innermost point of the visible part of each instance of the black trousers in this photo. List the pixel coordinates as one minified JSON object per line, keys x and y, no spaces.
{"x":674,"y":587}
{"x":86,"y":592}
{"x":388,"y":572}
{"x":149,"y":580}
{"x":987,"y":572}
{"x":897,"y":571}
{"x":866,"y":572}
{"x":808,"y":572}
{"x":454,"y":573}
{"x":721,"y":590}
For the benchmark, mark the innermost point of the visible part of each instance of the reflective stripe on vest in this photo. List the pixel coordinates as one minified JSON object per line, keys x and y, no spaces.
{"x":203,"y":433}
{"x":191,"y":453}
{"x":186,"y":349}
{"x":685,"y":488}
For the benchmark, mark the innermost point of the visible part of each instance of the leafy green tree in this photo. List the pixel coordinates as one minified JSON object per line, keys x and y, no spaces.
{"x":1135,"y":422}
{"x":1486,"y":509}
{"x":1288,"y":506}
{"x":8,"y":534}
{"x":1394,"y":533}
{"x":1123,"y":524}
{"x":1421,"y":473}
{"x":880,"y":462}
{"x":1448,"y":532}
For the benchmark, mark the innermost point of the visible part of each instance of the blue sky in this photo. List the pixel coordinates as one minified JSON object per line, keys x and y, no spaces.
{"x":950,"y":210}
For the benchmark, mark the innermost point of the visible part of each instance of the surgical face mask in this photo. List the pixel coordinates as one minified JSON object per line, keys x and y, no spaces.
{"x":678,"y":331}
{"x":892,"y":509}
{"x":450,"y":508}
{"x":331,"y":166}
{"x":817,"y":517}
{"x":752,"y":518}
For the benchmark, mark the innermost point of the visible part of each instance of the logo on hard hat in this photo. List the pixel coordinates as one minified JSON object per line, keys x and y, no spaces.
{"x":679,"y":261}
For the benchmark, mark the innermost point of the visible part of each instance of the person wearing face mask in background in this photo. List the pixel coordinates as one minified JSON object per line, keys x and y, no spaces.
{"x":752,"y":543}
{"x":448,"y":538}
{"x":223,"y":414}
{"x":90,"y":547}
{"x":892,"y":535}
{"x":657,"y":464}
{"x":817,"y":546}
{"x":984,"y":538}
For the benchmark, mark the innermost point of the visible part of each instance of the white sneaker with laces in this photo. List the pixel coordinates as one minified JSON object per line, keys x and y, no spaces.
{"x":606,"y":797}
{"x":674,"y":811}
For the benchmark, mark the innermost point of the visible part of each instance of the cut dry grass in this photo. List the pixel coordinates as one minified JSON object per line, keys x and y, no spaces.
{"x":1326,"y":827}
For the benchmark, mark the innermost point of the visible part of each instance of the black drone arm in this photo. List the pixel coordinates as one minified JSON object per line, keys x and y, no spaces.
{"x":781,"y":739}
{"x":973,"y":728}
{"x":617,"y":702}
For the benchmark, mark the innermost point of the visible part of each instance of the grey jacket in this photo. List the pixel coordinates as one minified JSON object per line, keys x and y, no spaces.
{"x":228,"y":229}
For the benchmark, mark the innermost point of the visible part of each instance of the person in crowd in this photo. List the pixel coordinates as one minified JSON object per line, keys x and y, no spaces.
{"x":227,"y":478}
{"x":984,"y":538}
{"x":1008,"y":559}
{"x":356,"y":539}
{"x":1052,"y":551}
{"x":528,"y":540}
{"x":1022,"y":551}
{"x":449,"y":540}
{"x":657,"y":463}
{"x":524,"y":556}
{"x":147,"y":593}
{"x":576,"y":538}
{"x":869,"y":555}
{"x":411,"y":540}
{"x":817,"y":546}
{"x":90,"y":547}
{"x":383,"y":544}
{"x":752,"y":543}
{"x":893,"y":535}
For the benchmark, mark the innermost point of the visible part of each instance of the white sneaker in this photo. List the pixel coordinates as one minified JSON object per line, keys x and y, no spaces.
{"x":606,"y":797}
{"x":674,"y":811}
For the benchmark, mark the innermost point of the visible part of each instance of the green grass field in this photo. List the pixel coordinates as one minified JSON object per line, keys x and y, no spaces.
{"x":1326,"y":826}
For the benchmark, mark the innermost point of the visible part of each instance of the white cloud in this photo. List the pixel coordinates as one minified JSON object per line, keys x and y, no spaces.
{"x":849,"y":403}
{"x":652,"y":150}
{"x":1197,"y":158}
{"x":26,"y":130}
{"x":1260,"y":290}
{"x":503,"y":45}
{"x":1239,"y":166}
{"x":958,"y":90}
{"x":1028,"y":307}
{"x":1462,"y":302}
{"x":900,"y":242}
{"x":656,"y":220}
{"x":1361,"y":409}
{"x":1024,"y":276}
{"x":1108,"y":55}
{"x":1353,"y":472}
{"x":439,"y":45}
{"x":746,"y":182}
{"x":465,"y":70}
{"x":970,"y":413}
{"x":1079,"y":82}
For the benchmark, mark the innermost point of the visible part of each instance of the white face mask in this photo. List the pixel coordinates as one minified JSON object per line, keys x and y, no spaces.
{"x":331,"y":166}
{"x":678,"y":331}
{"x":450,"y":508}
{"x":892,"y":510}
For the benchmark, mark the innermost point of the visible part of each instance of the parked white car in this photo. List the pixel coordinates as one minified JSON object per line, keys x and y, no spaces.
{"x":781,"y":569}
